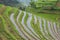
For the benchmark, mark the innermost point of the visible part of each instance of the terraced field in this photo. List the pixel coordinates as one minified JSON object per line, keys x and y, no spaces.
{"x":16,"y":24}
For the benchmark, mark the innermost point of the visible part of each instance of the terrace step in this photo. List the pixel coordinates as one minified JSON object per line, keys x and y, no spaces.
{"x":23,"y":25}
{"x":42,"y":24}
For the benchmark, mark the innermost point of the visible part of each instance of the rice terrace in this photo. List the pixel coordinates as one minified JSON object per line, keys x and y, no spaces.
{"x":30,"y":20}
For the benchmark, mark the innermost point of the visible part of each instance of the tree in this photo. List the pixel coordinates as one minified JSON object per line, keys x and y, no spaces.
{"x":9,"y":2}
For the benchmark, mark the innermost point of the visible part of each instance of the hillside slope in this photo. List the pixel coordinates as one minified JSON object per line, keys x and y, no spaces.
{"x":16,"y":24}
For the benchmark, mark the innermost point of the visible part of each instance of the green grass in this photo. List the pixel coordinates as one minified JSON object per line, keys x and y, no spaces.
{"x":52,"y":17}
{"x":20,"y":19}
{"x":3,"y":37}
{"x":15,"y":11}
{"x":48,"y":35}
{"x":25,"y":19}
{"x":37,"y":29}
{"x":48,"y":31}
{"x":13,"y":29}
{"x":14,"y":32}
{"x":1,"y":24}
{"x":48,"y":16}
{"x":21,"y":16}
{"x":5,"y":29}
{"x":1,"y":5}
{"x":6,"y":12}
{"x":2,"y":27}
